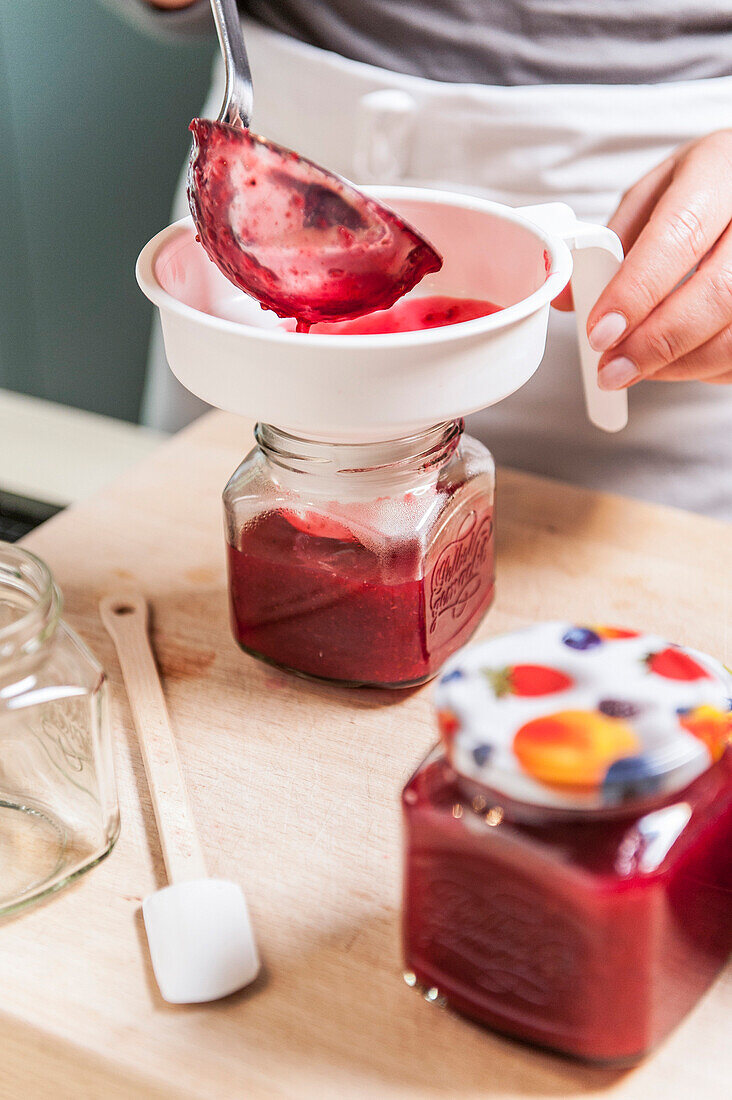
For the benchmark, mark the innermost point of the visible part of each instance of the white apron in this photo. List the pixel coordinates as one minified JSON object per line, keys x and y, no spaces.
{"x":580,"y":144}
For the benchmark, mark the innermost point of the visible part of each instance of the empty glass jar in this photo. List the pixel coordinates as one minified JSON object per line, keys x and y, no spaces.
{"x":58,"y":805}
{"x":365,"y":563}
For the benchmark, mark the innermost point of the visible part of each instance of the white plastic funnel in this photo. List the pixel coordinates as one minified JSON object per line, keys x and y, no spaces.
{"x":224,"y":348}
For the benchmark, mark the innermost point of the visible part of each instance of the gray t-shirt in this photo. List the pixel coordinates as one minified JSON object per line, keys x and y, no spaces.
{"x":497,"y":41}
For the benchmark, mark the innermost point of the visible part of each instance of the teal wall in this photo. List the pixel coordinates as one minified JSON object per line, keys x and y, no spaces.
{"x":93,"y":133}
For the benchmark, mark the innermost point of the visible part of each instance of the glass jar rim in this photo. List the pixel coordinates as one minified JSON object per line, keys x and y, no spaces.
{"x":23,"y":572}
{"x":493,"y":805}
{"x":422,"y":451}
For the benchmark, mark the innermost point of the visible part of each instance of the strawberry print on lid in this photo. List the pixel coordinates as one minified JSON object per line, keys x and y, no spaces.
{"x":674,"y":664}
{"x":528,"y":680}
{"x":583,"y":716}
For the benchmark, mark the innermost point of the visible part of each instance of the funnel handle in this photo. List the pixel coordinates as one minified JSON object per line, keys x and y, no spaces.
{"x":596,"y":254}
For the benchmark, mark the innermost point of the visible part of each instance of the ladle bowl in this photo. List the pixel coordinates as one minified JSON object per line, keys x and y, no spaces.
{"x":359,"y":388}
{"x":301,"y":240}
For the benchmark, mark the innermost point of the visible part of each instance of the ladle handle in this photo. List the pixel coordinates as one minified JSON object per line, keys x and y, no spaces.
{"x":238,"y":96}
{"x":596,"y":254}
{"x":126,"y":620}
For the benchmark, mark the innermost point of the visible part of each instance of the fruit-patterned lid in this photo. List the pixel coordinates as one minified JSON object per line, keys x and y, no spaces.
{"x":583,"y":717}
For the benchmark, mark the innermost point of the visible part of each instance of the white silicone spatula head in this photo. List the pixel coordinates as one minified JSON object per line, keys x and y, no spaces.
{"x":201,"y":941}
{"x":198,"y":929}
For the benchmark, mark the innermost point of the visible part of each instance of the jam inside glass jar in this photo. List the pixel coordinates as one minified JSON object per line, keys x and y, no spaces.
{"x":360,"y":563}
{"x":591,"y":918}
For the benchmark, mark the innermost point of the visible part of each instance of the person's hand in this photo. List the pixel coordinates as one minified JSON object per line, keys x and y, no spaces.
{"x":675,"y":220}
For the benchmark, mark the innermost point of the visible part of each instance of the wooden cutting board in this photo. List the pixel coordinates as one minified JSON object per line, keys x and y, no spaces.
{"x":295,"y":790}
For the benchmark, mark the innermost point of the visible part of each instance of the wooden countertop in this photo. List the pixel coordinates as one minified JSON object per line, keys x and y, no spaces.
{"x":295,"y":789}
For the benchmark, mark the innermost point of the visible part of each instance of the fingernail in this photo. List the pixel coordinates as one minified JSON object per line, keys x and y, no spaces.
{"x":607,"y":331}
{"x":617,"y":373}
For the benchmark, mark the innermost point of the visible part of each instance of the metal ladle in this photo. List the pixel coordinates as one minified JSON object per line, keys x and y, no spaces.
{"x":302,"y":240}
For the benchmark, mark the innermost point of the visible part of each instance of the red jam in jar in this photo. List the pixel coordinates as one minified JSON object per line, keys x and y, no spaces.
{"x":567,"y":878}
{"x":365,"y":563}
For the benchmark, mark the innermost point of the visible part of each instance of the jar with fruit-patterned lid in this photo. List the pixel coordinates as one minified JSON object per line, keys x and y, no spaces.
{"x":362,"y":563}
{"x":567,"y":876}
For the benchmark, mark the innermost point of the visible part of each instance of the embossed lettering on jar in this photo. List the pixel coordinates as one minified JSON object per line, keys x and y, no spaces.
{"x":361,"y":563}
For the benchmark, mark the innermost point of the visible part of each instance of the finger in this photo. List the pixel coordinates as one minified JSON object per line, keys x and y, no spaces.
{"x":695,"y":312}
{"x":709,"y":363}
{"x":631,"y":215}
{"x":687,"y":220}
{"x":563,"y":300}
{"x":638,"y":203}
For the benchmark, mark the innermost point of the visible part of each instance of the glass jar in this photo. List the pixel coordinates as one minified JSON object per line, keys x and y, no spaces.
{"x":58,"y":806}
{"x":364,"y":563}
{"x":567,"y":877}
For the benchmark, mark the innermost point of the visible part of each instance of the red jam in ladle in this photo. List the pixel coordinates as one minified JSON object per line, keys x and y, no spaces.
{"x":302,"y":241}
